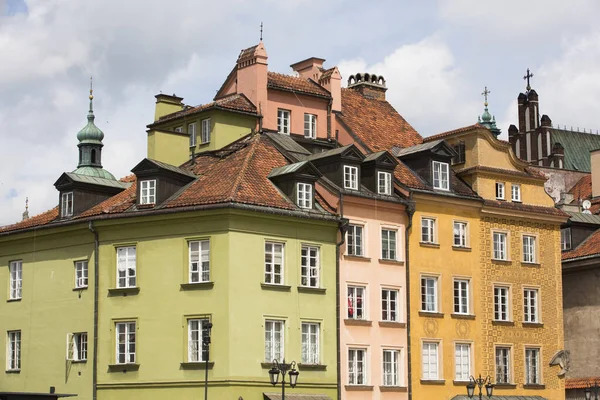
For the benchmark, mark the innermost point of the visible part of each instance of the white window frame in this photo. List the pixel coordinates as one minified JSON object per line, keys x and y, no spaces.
{"x":77,"y":346}
{"x":311,"y":348}
{"x":357,"y":302}
{"x":502,"y":303}
{"x":310,"y":126}
{"x":531,"y":305}
{"x":192,"y":133}
{"x":355,"y":240}
{"x":441,"y":175}
{"x":148,"y":191}
{"x":426,"y":294}
{"x":460,"y":233}
{"x":390,"y":367}
{"x":125,"y":330}
{"x":532,"y":362}
{"x":274,"y":271}
{"x":430,"y":357}
{"x":390,"y":305}
{"x":13,"y":351}
{"x":461,"y":294}
{"x":462,"y":361}
{"x":16,"y":280}
{"x":310,"y":271}
{"x":199,"y":261}
{"x":389,"y":244}
{"x":205,"y":131}
{"x":350,"y":177}
{"x":384,"y":183}
{"x":283,"y":121}
{"x":502,"y":363}
{"x":126,"y":267}
{"x":81,"y":274}
{"x":195,"y":351}
{"x":515,"y":190}
{"x":529,"y":249}
{"x":67,"y":204}
{"x":428,"y":230}
{"x":565,"y":239}
{"x":304,"y":195}
{"x":272,"y":352}
{"x":500,"y":246}
{"x":357,"y":369}
{"x":500,"y":190}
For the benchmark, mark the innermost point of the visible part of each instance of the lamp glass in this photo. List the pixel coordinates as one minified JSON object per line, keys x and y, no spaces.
{"x":293,"y":377}
{"x":470,"y":389}
{"x":489,"y":388}
{"x":274,"y":375}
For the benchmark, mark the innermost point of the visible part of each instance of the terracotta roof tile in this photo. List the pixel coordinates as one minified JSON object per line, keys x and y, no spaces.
{"x":295,"y":84}
{"x":582,"y":189}
{"x":376,"y":123}
{"x":581,"y":383}
{"x":38,"y":220}
{"x":526,"y":208}
{"x":326,"y":73}
{"x":589,"y":247}
{"x":116,"y":204}
{"x":452,"y":132}
{"x":407,"y":177}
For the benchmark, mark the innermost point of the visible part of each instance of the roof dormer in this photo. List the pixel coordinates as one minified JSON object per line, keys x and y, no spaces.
{"x":157,"y":181}
{"x":377,"y":173}
{"x":297,"y":182}
{"x":342,"y":166}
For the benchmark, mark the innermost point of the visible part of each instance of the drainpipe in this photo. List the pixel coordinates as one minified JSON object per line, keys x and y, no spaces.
{"x":342,"y":227}
{"x":329,"y":106}
{"x":410,"y":210}
{"x":96,"y":287}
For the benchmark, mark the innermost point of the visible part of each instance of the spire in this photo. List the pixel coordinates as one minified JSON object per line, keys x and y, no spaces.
{"x":91,"y":133}
{"x":26,"y":213}
{"x":486,"y":119}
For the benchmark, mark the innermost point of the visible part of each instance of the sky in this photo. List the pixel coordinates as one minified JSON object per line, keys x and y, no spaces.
{"x":436,"y":57}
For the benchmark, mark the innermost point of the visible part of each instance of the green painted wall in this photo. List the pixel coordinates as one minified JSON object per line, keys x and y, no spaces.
{"x":169,"y":147}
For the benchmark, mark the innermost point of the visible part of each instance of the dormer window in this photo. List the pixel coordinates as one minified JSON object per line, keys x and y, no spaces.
{"x":441,"y":175}
{"x":148,"y":192}
{"x":384,"y":183}
{"x":350,"y":177}
{"x":178,"y":129}
{"x":67,"y":204}
{"x":304,"y":195}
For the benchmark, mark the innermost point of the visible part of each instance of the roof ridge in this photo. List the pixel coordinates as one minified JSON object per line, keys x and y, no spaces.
{"x":241,"y":175}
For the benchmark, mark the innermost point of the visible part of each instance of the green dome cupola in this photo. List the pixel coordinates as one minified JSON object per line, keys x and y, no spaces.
{"x":486,"y":119}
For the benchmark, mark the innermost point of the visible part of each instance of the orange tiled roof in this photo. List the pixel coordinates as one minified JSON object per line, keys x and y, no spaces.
{"x":582,"y":189}
{"x":589,"y":247}
{"x":452,"y":132}
{"x":38,"y":220}
{"x":376,"y":123}
{"x":526,"y":208}
{"x":581,"y":383}
{"x":295,"y":84}
{"x":326,"y":73}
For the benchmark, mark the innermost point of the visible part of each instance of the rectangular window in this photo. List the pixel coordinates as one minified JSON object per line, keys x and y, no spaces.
{"x":205,"y":134}
{"x":532,"y":366}
{"x":125,"y":342}
{"x":126,"y":267}
{"x":515,"y":192}
{"x":389,"y":305}
{"x":391,"y":371}
{"x":500,"y":242}
{"x":565,"y":239}
{"x":501,"y":303}
{"x":356,"y":302}
{"x":81,"y":274}
{"x":384,"y":183}
{"x":462,"y":361}
{"x":77,"y":346}
{"x":283,"y":121}
{"x":274,"y":263}
{"x":310,"y":343}
{"x":274,"y":341}
{"x":67,"y":204}
{"x":192,"y":133}
{"x":427,"y":230}
{"x":500,"y":190}
{"x":430,"y":361}
{"x":441,"y":175}
{"x":178,"y":129}
{"x":459,"y":148}
{"x":388,"y":244}
{"x":357,"y":366}
{"x":310,"y":266}
{"x":199,"y":259}
{"x":350,"y":177}
{"x":429,"y":296}
{"x":503,"y":365}
{"x":354,"y":240}
{"x":529,"y":249}
{"x":13,"y":351}
{"x":530,"y":305}
{"x":310,"y":126}
{"x":16,"y":280}
{"x":460,"y":234}
{"x":196,"y":351}
{"x":148,"y":192}
{"x":461,"y":296}
{"x":304,"y":195}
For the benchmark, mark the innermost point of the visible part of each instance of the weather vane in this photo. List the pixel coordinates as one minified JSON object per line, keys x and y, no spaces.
{"x":526,"y":77}
{"x":485,"y":95}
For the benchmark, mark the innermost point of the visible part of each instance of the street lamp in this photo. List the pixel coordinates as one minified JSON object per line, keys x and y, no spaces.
{"x":206,"y":328}
{"x":592,"y":389}
{"x":283,"y":368}
{"x":480,"y":382}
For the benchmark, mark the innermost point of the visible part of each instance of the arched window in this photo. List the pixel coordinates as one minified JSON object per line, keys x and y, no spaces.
{"x":540,"y":148}
{"x":527,"y":122}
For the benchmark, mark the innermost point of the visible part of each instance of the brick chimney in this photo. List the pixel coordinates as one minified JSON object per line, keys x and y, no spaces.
{"x":252,"y":75}
{"x":595,"y":159}
{"x":331,"y":79}
{"x":369,"y":85}
{"x":311,"y":68}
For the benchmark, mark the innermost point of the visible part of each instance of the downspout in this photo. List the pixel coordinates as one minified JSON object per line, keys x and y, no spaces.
{"x":329,"y":106}
{"x":342,"y":227}
{"x":410,"y":210}
{"x":96,"y":287}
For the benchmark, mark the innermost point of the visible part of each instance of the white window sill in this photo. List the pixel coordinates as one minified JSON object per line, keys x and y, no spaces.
{"x":15,"y":299}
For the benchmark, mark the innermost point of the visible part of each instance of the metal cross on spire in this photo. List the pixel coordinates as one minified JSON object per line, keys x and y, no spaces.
{"x":91,"y":88}
{"x":261,"y":30}
{"x":526,"y":77}
{"x":485,"y":95}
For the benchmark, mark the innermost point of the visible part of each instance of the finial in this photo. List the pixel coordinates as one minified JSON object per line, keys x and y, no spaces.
{"x":485,"y":95}
{"x":91,"y":88}
{"x":261,"y":30}
{"x":526,"y":77}
{"x":26,"y":213}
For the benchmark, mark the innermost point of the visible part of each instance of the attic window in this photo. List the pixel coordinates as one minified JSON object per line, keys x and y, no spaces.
{"x":384,"y":183}
{"x":460,"y":153}
{"x":178,"y":129}
{"x":148,"y":192}
{"x":441,"y":175}
{"x":350,"y":177}
{"x":304,"y":195}
{"x":67,"y":204}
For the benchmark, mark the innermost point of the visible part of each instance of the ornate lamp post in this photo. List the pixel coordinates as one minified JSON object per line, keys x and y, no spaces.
{"x":206,"y":328}
{"x":283,"y":369}
{"x":595,"y":390}
{"x":480,"y":382}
